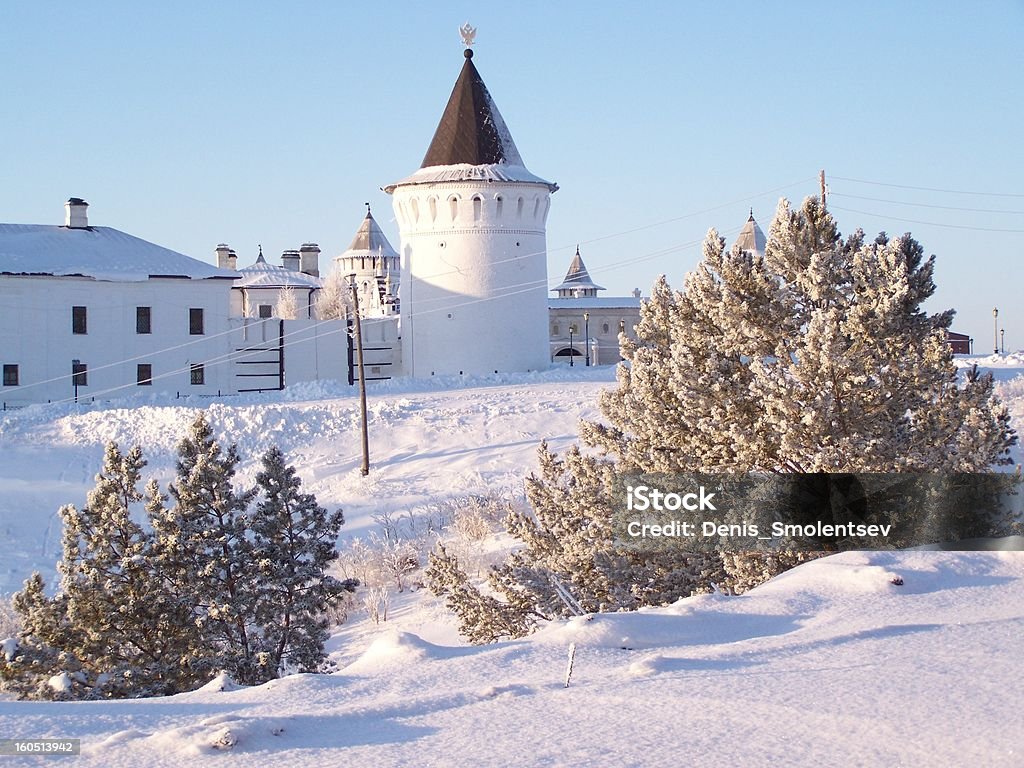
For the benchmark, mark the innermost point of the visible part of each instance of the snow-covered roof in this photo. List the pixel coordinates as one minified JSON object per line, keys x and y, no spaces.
{"x":264,"y":275}
{"x":370,"y":241}
{"x":101,"y":253}
{"x":577,"y":278}
{"x":751,"y":238}
{"x":596,"y":302}
{"x":472,"y":142}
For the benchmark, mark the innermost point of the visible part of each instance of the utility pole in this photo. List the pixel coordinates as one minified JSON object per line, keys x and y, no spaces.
{"x":821,"y":178}
{"x":364,"y":470}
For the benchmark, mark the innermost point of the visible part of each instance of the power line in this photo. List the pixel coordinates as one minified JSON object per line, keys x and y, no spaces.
{"x":927,"y":223}
{"x":928,"y":189}
{"x":925,"y":205}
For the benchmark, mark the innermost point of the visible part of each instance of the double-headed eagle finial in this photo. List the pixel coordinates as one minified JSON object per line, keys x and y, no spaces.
{"x":468,"y":34}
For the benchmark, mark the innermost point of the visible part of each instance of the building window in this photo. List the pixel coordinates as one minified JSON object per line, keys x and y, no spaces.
{"x":10,"y":375}
{"x":265,"y":311}
{"x":197,"y":374}
{"x":143,"y":320}
{"x":604,"y":328}
{"x":195,"y":321}
{"x":79,"y":374}
{"x":555,"y":329}
{"x":144,"y":374}
{"x":78,"y":324}
{"x":574,"y":329}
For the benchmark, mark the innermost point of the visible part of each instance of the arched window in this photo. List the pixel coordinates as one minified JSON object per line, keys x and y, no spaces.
{"x":519,"y":208}
{"x":555,"y":329}
{"x":536,"y":207}
{"x":453,"y":207}
{"x":604,"y":328}
{"x":498,"y":204}
{"x":478,"y":207}
{"x":415,"y":204}
{"x":432,"y":203}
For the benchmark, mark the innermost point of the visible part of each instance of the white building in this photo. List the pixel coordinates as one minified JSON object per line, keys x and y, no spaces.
{"x":111,"y":313}
{"x":473,"y":246}
{"x":584,"y":327}
{"x":262,"y":289}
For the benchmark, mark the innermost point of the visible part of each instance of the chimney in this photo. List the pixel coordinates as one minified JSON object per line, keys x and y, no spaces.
{"x":224,"y":256}
{"x":76,"y":216}
{"x":290,"y":260}
{"x":232,"y":259}
{"x":310,"y":259}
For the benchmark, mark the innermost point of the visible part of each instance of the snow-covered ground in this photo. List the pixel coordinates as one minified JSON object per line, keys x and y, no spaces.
{"x":829,"y":664}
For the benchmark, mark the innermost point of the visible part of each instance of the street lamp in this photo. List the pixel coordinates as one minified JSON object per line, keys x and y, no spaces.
{"x":995,"y":327}
{"x":586,"y":327}
{"x":571,"y":350}
{"x":1002,"y":340}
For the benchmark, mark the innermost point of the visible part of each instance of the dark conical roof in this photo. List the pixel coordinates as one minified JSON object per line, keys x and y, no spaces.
{"x":577,"y":278}
{"x":751,"y":238}
{"x":471,"y":130}
{"x":370,"y":239}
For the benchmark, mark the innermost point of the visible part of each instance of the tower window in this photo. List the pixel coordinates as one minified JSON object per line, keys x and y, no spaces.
{"x":519,"y":208}
{"x":10,"y":375}
{"x":78,"y":320}
{"x":415,"y":204}
{"x":195,"y":321}
{"x":432,"y":204}
{"x":478,"y":208}
{"x":453,"y":204}
{"x":498,"y":204}
{"x":144,"y":374}
{"x":143,"y":320}
{"x":536,"y":207}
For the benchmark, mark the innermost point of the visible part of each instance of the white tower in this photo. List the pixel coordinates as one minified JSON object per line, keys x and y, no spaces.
{"x":474,"y":253}
{"x":375,"y":265}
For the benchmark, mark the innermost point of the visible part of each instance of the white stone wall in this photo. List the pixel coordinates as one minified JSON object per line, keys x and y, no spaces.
{"x":474,"y":277}
{"x":36,"y":335}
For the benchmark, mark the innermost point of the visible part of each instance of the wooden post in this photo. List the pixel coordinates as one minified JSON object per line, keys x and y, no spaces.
{"x":280,"y":354}
{"x":364,"y":470}
{"x":821,"y":177}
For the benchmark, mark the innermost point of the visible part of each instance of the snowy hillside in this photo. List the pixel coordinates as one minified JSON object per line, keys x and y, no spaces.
{"x":829,"y":664}
{"x":428,"y":441}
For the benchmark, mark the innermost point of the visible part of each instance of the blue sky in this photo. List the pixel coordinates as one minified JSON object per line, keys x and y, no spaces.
{"x":252,"y":123}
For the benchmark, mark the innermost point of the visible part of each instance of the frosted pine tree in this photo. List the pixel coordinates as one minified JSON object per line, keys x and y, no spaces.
{"x":203,"y":550}
{"x":294,"y":541}
{"x":113,"y":629}
{"x":815,"y":357}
